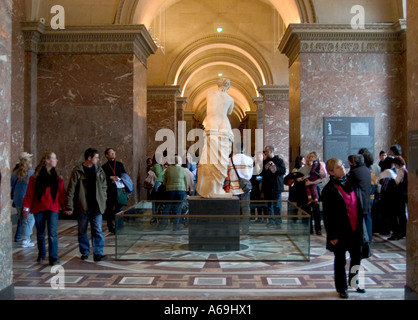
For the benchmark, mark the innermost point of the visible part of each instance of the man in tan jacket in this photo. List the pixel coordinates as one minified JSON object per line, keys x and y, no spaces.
{"x":86,"y":195}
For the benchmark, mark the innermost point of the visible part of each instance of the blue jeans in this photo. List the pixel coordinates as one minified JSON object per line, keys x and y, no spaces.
{"x":274,"y":208}
{"x":18,"y":228}
{"x":174,"y":207}
{"x":369,"y":228}
{"x":154,"y":196}
{"x":51,"y":219}
{"x":97,"y":236}
{"x":26,"y":225}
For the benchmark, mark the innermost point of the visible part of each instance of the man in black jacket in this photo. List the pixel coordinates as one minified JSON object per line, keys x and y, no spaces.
{"x":113,"y":170}
{"x":272,"y":185}
{"x":343,"y":221}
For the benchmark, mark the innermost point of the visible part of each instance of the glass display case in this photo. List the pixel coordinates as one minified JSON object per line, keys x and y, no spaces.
{"x":212,"y":229}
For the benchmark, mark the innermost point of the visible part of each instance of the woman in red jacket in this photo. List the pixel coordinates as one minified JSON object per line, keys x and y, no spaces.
{"x":44,"y":197}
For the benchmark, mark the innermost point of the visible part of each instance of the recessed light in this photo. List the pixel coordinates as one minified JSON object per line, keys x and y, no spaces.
{"x":219,"y":29}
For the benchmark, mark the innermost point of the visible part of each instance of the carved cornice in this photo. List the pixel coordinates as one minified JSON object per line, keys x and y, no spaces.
{"x":117,"y":39}
{"x":274,"y":93}
{"x":160,"y":93}
{"x":182,"y":103}
{"x":326,"y":38}
{"x":32,"y":32}
{"x":258,"y":100}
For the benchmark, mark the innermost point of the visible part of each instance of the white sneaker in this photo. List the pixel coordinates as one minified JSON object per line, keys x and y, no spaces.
{"x":27,"y":244}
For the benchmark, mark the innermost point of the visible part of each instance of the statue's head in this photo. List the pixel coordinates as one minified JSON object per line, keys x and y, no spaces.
{"x":224,"y":84}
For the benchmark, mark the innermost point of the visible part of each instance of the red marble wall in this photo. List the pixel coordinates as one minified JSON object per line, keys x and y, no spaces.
{"x":161,"y":114}
{"x":87,"y":100}
{"x":276,"y":128}
{"x":352,"y":85}
{"x":140,"y":128}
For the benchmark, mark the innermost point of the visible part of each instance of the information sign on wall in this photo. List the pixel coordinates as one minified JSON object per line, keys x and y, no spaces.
{"x":344,"y":136}
{"x":412,"y":163}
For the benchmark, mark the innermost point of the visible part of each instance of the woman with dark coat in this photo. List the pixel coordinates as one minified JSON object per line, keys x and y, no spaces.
{"x":44,"y":198}
{"x":343,"y":221}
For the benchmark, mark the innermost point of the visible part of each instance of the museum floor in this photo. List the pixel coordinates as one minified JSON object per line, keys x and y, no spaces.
{"x":384,"y":276}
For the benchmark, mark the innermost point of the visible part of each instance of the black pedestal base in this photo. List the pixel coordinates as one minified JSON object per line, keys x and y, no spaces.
{"x":214,"y":234}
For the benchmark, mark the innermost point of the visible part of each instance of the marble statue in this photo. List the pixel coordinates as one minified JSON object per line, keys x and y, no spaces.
{"x":213,"y":163}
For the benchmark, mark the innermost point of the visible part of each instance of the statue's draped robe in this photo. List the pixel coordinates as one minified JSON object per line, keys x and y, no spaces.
{"x":213,"y":163}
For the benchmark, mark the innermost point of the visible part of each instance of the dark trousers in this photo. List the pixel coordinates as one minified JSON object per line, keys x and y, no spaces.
{"x":353,"y":246}
{"x":313,"y":210}
{"x":112,"y":207}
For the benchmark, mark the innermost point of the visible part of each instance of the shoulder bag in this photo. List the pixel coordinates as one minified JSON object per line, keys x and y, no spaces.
{"x":244,"y":184}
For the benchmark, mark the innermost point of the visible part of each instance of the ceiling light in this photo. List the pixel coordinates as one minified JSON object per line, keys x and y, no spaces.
{"x":220,"y":74}
{"x":219,"y":29}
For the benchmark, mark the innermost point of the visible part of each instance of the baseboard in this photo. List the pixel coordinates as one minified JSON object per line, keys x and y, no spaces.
{"x":410,"y":294}
{"x":8,"y":293}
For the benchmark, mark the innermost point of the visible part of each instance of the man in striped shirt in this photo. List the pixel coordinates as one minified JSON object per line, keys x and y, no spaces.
{"x":244,"y":167}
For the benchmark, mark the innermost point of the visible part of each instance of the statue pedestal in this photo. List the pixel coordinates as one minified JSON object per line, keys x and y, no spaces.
{"x":214,"y":234}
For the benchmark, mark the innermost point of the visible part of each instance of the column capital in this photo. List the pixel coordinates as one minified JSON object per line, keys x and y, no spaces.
{"x":182,"y":102}
{"x":103,"y":39}
{"x":274,"y":93}
{"x":163,"y":92}
{"x":32,"y":32}
{"x":326,"y":38}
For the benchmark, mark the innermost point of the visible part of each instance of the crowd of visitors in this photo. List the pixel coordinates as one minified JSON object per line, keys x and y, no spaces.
{"x":355,"y":201}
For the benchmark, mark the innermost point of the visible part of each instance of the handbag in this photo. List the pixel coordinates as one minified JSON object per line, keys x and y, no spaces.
{"x":122,"y":197}
{"x":244,"y":184}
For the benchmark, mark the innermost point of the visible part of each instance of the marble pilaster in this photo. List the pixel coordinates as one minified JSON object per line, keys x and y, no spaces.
{"x":32,"y":35}
{"x":190,"y":124}
{"x":337,"y":71}
{"x":6,"y":270}
{"x":276,"y":119}
{"x":161,"y":113}
{"x":251,"y":124}
{"x":411,"y":288}
{"x":258,"y":102}
{"x":18,"y":81}
{"x":94,"y":78}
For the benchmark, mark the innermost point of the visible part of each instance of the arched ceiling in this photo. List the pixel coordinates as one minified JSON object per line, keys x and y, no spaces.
{"x":195,"y":53}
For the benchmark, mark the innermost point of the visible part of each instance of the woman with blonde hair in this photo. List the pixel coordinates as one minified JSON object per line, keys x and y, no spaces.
{"x":44,"y":198}
{"x":19,"y":183}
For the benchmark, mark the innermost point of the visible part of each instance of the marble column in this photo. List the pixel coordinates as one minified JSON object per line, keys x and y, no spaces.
{"x":91,"y":92}
{"x":161,"y":113}
{"x":276,"y":119}
{"x":190,"y":124}
{"x":252,"y":123}
{"x":339,"y":72}
{"x":32,"y":35}
{"x":6,"y":260}
{"x":18,"y":83}
{"x":411,"y":288}
{"x":258,"y":102}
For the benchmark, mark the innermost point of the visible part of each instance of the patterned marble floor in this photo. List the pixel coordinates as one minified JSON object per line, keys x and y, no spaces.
{"x":383,"y":277}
